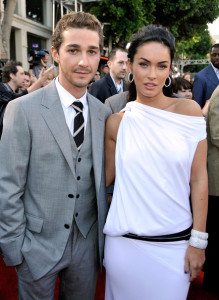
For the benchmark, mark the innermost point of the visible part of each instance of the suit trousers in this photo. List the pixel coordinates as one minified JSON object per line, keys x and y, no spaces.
{"x":77,"y":271}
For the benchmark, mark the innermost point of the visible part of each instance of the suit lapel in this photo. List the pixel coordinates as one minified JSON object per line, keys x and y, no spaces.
{"x":53,"y":115}
{"x":97,"y":134}
{"x":212,"y":76}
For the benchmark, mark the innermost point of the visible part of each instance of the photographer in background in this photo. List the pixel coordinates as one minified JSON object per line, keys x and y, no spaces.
{"x":39,"y":60}
{"x":13,"y":78}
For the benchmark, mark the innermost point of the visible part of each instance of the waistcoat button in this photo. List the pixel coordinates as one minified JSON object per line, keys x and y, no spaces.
{"x":66,"y":226}
{"x":78,"y":178}
{"x":76,"y":214}
{"x":77,"y":196}
{"x":79,"y":159}
{"x":70,"y":196}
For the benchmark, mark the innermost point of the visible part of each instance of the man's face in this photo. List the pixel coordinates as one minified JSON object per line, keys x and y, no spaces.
{"x":46,"y":58}
{"x":118,"y":66}
{"x":215,"y":57}
{"x":18,"y":78}
{"x":78,"y":58}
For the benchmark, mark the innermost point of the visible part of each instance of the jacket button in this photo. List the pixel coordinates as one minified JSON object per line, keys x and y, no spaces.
{"x":78,"y":178}
{"x":76,"y":214}
{"x":79,"y":159}
{"x":77,"y":196}
{"x":66,"y":226}
{"x":70,"y":196}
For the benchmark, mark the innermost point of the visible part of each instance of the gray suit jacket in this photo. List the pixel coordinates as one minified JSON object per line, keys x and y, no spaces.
{"x":117,"y":102}
{"x":212,"y":120}
{"x":36,"y":178}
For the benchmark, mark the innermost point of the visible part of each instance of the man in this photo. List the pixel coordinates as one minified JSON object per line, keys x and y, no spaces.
{"x":44,"y":64}
{"x":206,"y":81}
{"x":210,"y":281}
{"x":113,"y":82}
{"x":13,"y":78}
{"x":117,"y":102}
{"x":104,"y":70}
{"x":53,"y":200}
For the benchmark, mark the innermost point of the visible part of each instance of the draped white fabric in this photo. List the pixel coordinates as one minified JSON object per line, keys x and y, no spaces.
{"x":154,"y":154}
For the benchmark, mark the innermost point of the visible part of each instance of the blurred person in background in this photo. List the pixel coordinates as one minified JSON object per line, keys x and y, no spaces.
{"x":182,"y":88}
{"x":113,"y":82}
{"x":206,"y":81}
{"x":13,"y":78}
{"x":188,"y":77}
{"x":104,"y":70}
{"x":44,"y":63}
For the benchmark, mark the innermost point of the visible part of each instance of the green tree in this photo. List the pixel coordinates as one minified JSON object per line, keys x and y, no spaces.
{"x":184,"y":18}
{"x":197,"y":47}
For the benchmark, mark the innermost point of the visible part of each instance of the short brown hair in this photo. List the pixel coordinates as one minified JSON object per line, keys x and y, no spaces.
{"x":10,"y":68}
{"x":76,"y":20}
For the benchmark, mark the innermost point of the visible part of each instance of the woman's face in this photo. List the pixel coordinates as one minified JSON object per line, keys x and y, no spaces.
{"x":151,"y":67}
{"x":186,"y":93}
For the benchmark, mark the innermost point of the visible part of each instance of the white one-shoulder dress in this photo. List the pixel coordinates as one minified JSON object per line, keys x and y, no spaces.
{"x":154,"y":154}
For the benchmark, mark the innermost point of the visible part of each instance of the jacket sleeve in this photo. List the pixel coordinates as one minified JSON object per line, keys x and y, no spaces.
{"x":14,"y":157}
{"x":213,"y":116}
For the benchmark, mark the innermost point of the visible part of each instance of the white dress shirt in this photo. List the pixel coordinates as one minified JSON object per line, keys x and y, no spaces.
{"x":119,"y":86}
{"x":66,"y":100}
{"x":216,"y":71}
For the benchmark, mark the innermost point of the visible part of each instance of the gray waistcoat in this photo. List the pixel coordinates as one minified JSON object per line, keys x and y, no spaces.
{"x":85,"y":212}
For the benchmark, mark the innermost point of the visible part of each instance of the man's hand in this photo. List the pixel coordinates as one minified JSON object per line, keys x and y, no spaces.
{"x":194,"y":261}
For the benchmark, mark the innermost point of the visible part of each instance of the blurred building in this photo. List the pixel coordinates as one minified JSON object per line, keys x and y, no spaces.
{"x":33,"y":24}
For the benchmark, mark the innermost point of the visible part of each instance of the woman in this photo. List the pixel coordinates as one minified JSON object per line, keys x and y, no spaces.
{"x":182,"y":88}
{"x":160,"y":146}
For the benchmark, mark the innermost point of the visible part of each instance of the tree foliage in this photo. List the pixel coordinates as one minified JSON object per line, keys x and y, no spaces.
{"x":184,"y":18}
{"x":197,"y":47}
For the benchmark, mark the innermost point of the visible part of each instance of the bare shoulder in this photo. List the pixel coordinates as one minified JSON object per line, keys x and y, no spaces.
{"x":188,"y":107}
{"x":112,"y":125}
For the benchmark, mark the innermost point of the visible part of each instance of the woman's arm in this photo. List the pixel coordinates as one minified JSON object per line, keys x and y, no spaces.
{"x":195,"y":257}
{"x":112,"y":126}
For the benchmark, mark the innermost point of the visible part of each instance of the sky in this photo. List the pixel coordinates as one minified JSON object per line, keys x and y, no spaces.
{"x":214,"y":27}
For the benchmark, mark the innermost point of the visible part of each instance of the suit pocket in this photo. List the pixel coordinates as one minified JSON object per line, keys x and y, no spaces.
{"x":34,"y":224}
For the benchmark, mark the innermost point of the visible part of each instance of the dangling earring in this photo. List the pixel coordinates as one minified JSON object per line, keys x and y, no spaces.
{"x":167,"y":85}
{"x":130,"y":80}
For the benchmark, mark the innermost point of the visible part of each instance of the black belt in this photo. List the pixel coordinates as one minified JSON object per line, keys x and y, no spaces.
{"x":179,"y":236}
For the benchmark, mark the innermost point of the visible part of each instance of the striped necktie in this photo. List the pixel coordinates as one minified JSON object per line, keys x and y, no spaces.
{"x":78,"y":124}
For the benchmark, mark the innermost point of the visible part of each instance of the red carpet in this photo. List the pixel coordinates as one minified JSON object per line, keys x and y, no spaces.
{"x":8,"y":286}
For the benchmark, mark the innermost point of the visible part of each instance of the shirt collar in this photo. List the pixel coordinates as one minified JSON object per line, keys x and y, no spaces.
{"x":66,"y":98}
{"x":117,"y":85}
{"x":215,"y":69}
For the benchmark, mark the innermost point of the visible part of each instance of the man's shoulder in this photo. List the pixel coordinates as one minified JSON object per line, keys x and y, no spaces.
{"x":98,"y":103}
{"x":203,"y":71}
{"x":117,"y":97}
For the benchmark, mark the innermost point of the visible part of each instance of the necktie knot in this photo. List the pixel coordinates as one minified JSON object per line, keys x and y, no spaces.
{"x":78,"y":106}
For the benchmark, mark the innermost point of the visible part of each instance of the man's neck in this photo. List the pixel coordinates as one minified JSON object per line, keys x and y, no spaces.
{"x":117,"y":80}
{"x":12,"y":86}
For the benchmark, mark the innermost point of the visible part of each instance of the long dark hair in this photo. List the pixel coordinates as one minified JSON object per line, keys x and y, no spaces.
{"x":150,"y":33}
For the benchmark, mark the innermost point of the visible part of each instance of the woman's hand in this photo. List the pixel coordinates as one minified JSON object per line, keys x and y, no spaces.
{"x":194,"y":261}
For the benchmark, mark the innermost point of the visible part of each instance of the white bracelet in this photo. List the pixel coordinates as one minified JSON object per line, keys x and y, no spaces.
{"x":199,"y":234}
{"x":198,"y":243}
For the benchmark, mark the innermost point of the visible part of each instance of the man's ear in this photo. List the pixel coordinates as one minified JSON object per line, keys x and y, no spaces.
{"x":55,"y":54}
{"x":11,"y":76}
{"x":109,"y":63}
